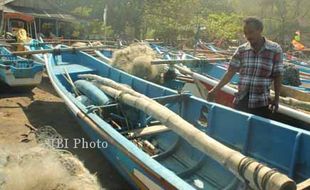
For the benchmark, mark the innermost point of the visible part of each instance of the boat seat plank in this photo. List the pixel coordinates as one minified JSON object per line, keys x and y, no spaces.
{"x":305,"y":185}
{"x":192,"y":169}
{"x":167,"y":153}
{"x":72,"y":68}
{"x":146,"y":131}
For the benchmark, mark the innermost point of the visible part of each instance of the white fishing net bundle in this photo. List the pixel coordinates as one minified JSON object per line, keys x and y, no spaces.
{"x":43,"y":167}
{"x":136,"y":60}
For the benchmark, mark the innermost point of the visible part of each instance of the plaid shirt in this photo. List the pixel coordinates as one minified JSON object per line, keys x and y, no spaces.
{"x":256,"y":71}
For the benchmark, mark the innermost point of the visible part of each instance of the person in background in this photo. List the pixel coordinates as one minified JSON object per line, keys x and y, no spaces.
{"x":296,"y":42}
{"x":297,"y":36}
{"x":259,"y":62}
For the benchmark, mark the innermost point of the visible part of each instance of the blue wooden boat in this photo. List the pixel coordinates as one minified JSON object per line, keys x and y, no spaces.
{"x":37,"y":45}
{"x":208,"y":76}
{"x":218,"y":69}
{"x":19,"y":72}
{"x":105,"y":55}
{"x":295,"y":61}
{"x":304,"y":70}
{"x":165,"y":160}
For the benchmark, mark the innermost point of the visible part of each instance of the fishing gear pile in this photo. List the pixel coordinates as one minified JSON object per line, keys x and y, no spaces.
{"x":43,"y":167}
{"x":136,"y":60}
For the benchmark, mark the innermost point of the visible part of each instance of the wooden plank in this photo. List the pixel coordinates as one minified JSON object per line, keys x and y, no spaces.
{"x":146,"y":131}
{"x":305,"y":185}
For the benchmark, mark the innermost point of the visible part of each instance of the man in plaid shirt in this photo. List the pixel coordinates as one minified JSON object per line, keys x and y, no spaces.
{"x":259,"y":63}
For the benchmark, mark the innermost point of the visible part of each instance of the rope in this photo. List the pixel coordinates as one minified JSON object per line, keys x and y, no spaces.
{"x":255,"y":174}
{"x":267,"y":177}
{"x":243,"y":164}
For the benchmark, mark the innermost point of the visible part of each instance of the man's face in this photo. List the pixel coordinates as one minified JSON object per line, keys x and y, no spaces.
{"x":252,"y":34}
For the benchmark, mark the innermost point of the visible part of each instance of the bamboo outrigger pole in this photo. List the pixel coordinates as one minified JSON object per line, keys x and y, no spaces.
{"x":256,"y":174}
{"x":37,"y":43}
{"x":57,"y":50}
{"x":188,"y":61}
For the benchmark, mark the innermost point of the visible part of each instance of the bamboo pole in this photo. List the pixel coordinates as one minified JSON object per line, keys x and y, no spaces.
{"x":56,"y":50}
{"x":7,"y":40}
{"x":297,"y":103}
{"x":37,"y":43}
{"x":111,"y":83}
{"x":80,"y":40}
{"x":188,"y":61}
{"x":257,"y":175}
{"x":5,"y":45}
{"x":286,"y":91}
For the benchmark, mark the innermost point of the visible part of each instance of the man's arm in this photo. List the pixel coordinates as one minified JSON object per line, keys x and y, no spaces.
{"x":234,"y":66}
{"x":226,"y":78}
{"x":277,"y":79}
{"x":277,"y":87}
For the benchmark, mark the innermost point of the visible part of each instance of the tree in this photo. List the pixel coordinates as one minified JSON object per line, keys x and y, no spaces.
{"x":172,"y":19}
{"x":223,"y":27}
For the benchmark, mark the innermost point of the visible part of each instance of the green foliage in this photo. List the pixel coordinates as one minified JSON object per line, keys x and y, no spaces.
{"x":223,"y":26}
{"x":172,"y":20}
{"x":82,"y":11}
{"x":281,"y":17}
{"x":92,"y":29}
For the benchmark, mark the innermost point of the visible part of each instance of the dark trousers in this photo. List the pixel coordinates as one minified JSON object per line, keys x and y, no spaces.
{"x":261,"y":111}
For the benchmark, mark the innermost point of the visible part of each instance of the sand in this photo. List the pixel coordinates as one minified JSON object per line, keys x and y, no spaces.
{"x":43,"y":107}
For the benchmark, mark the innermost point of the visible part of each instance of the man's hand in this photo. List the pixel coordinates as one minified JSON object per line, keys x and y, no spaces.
{"x":226,"y":78}
{"x":274,"y":106}
{"x":211,"y":95}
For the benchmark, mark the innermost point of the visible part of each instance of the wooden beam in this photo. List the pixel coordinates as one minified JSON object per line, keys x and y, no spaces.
{"x":57,"y":50}
{"x":305,"y":185}
{"x":188,"y":61}
{"x":146,"y":131}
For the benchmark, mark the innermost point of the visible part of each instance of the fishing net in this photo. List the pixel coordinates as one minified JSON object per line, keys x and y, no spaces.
{"x":136,"y":60}
{"x":43,"y":167}
{"x":291,"y":75}
{"x":47,"y":136}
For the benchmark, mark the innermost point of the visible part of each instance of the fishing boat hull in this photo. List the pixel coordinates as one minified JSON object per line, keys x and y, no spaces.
{"x":19,"y":72}
{"x":131,"y":163}
{"x":130,"y":168}
{"x":178,"y":165}
{"x":104,"y":55}
{"x":8,"y":77}
{"x":37,"y":45}
{"x":211,"y":73}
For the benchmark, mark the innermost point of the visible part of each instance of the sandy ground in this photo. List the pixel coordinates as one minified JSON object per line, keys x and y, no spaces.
{"x":43,"y":107}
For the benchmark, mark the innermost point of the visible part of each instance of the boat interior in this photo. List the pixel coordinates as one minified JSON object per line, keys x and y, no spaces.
{"x":275,"y":144}
{"x":11,"y":61}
